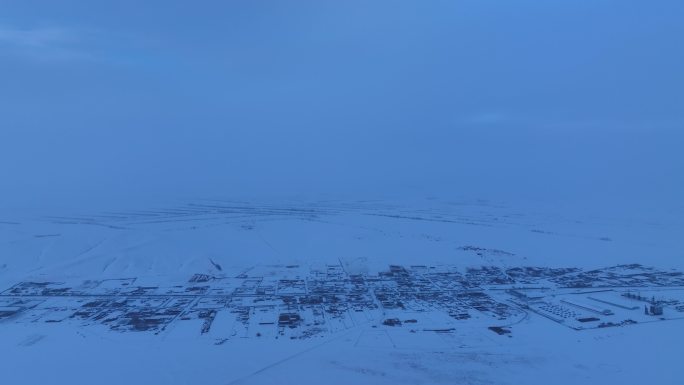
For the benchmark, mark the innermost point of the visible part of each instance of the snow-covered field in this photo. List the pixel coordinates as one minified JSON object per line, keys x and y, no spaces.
{"x":367,"y":292}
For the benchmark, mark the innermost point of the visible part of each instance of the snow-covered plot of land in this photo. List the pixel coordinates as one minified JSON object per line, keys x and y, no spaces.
{"x":370,"y":292}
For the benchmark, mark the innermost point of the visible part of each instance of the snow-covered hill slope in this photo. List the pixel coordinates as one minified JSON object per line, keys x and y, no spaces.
{"x":184,"y":239}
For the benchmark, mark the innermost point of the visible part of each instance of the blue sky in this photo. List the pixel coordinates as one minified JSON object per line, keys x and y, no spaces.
{"x":121,"y":100}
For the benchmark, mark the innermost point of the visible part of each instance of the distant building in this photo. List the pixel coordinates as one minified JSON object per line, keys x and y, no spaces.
{"x":656,"y":309}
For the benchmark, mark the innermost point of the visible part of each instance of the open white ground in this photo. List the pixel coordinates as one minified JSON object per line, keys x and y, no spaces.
{"x":169,"y":245}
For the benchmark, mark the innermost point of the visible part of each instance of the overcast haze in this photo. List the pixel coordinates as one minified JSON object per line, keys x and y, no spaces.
{"x":129,"y":100}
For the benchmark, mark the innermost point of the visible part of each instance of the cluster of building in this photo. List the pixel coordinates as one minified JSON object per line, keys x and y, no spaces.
{"x":297,"y":302}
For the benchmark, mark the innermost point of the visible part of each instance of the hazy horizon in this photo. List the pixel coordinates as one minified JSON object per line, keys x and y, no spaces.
{"x":128,"y":102}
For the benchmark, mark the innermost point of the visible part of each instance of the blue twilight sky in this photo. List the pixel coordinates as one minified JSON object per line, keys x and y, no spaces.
{"x":120,"y":100}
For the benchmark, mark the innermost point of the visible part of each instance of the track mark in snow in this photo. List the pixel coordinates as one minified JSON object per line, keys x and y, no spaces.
{"x":109,"y":263}
{"x":31,"y":340}
{"x":216,"y":265}
{"x":288,"y":358}
{"x":79,"y":258}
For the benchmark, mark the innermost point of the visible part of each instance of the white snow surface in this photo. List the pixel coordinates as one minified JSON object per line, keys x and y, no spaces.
{"x":163,"y":245}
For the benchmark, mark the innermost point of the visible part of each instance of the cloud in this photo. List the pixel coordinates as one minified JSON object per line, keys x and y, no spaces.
{"x":486,"y":118}
{"x":39,"y":37}
{"x":60,"y":45}
{"x":560,"y":124}
{"x":44,"y":44}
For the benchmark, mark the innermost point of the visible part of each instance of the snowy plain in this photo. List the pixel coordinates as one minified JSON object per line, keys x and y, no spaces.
{"x":168,"y":245}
